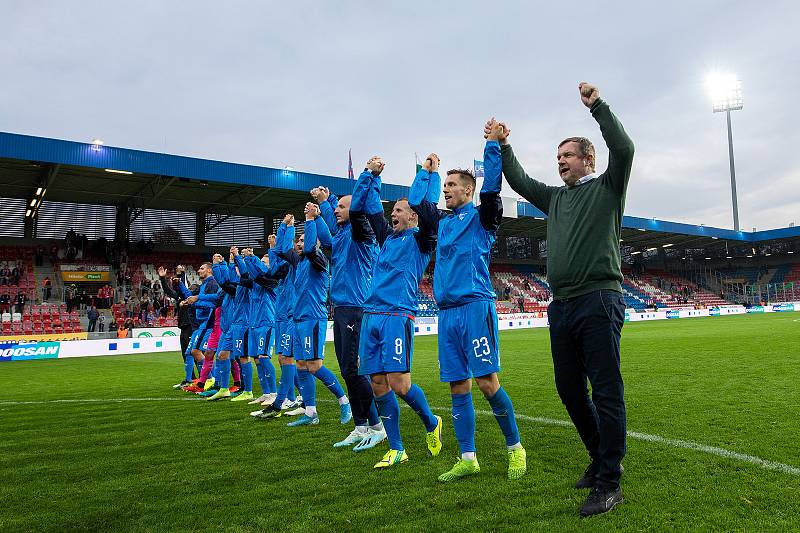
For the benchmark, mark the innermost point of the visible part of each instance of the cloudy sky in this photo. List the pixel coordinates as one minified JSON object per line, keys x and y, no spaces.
{"x":298,"y":83}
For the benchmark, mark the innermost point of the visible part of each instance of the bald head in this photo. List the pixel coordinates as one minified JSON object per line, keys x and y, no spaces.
{"x":342,"y":211}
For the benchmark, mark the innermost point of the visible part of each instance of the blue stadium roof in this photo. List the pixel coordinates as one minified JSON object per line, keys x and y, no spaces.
{"x":55,"y":151}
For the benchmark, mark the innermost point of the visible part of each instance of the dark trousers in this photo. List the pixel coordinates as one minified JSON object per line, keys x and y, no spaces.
{"x":186,"y":333}
{"x":584,"y":339}
{"x":92,"y":324}
{"x":346,"y":338}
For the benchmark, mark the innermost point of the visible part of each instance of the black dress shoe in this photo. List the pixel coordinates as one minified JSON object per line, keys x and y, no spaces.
{"x":601,"y":501}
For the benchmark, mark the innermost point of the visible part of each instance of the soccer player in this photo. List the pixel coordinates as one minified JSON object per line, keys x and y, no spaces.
{"x":204,"y":303}
{"x":239,"y":274}
{"x":583,"y":269}
{"x":265,"y":274}
{"x":312,"y":280}
{"x":387,"y":329}
{"x":231,"y":330}
{"x":186,"y":322}
{"x":284,"y":332}
{"x":468,"y":333}
{"x":353,"y":252}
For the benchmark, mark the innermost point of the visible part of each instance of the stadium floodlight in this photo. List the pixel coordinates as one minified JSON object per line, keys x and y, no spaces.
{"x":726,"y":95}
{"x":651,"y":249}
{"x":117,"y":171}
{"x":38,"y":191}
{"x":667,"y":245}
{"x":97,"y":144}
{"x":28,"y":213}
{"x":635,"y":253}
{"x":33,"y":202}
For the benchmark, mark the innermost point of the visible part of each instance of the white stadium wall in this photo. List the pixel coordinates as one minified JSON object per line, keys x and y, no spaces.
{"x":151,"y":340}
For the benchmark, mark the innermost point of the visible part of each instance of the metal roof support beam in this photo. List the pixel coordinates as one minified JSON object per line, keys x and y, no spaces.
{"x":145,"y":196}
{"x":47,"y":177}
{"x":219,"y":218}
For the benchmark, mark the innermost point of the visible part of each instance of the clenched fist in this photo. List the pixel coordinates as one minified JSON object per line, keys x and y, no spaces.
{"x":375,"y":165}
{"x":589,"y":93}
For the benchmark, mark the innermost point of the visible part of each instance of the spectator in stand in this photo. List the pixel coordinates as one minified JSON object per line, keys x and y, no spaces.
{"x":101,"y":323}
{"x":144,"y":306}
{"x":83,"y":299}
{"x":19,"y":302}
{"x":54,"y":253}
{"x":92,"y":315}
{"x":113,"y":326}
{"x":16,"y":273}
{"x":70,"y":293}
{"x":46,"y":288}
{"x":5,"y":303}
{"x":39,"y":257}
{"x":122,"y":331}
{"x":507,"y":293}
{"x":5,"y":274}
{"x":132,"y":306}
{"x":521,"y":302}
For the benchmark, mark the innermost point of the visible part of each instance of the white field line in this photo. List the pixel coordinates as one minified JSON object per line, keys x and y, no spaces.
{"x":675,"y":443}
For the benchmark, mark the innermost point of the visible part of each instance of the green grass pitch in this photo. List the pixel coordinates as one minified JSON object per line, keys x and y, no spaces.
{"x":105,"y":444}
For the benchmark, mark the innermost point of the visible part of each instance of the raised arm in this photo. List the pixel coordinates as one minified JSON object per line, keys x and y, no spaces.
{"x":491,"y":209}
{"x":366,"y":210}
{"x":315,"y":257}
{"x":286,"y":247}
{"x":327,"y":203}
{"x":422,"y":199}
{"x":532,"y":190}
{"x":620,"y":146}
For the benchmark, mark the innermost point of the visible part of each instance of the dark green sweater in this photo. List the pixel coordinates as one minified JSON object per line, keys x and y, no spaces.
{"x":584,"y":221}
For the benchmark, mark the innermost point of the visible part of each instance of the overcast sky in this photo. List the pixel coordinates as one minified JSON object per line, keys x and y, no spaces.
{"x":298,"y":83}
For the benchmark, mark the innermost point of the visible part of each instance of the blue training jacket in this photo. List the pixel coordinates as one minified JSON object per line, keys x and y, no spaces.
{"x":311,"y":276}
{"x":353,"y":250}
{"x":221,"y":272}
{"x":262,"y":294}
{"x":286,"y":296}
{"x":465,"y":240}
{"x":241,"y":301}
{"x":403,"y":256}
{"x":206,"y":299}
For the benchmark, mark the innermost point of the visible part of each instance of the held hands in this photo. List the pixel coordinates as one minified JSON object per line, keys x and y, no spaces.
{"x":496,"y":131}
{"x":234,"y":251}
{"x":320,"y":194}
{"x":217,"y":259}
{"x":431,"y":163}
{"x":190,"y":300}
{"x":289,"y":219}
{"x":589,"y":93}
{"x":311,"y":210}
{"x":247,"y":251}
{"x":162,"y":272}
{"x":375,"y":165}
{"x":272,"y":239}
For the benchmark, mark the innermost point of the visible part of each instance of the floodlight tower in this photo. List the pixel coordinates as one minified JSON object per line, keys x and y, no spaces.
{"x":726,"y":95}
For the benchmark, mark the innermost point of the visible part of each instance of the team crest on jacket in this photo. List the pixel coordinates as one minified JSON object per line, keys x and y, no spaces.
{"x":461,"y":216}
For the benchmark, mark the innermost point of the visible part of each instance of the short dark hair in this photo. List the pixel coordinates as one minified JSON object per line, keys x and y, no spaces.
{"x":207,"y":265}
{"x":585,"y":147}
{"x":466,"y":176}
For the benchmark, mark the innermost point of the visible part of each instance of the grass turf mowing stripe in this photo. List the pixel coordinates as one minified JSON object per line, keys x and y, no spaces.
{"x":675,"y":443}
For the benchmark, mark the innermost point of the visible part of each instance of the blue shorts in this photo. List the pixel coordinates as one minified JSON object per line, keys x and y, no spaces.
{"x":284,"y":331}
{"x":386,"y":344}
{"x":468,"y":342}
{"x":309,"y":339}
{"x":198,"y":340}
{"x":259,"y":340}
{"x":241,"y":347}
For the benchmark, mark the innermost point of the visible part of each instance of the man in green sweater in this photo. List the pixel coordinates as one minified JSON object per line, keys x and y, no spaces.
{"x":583,"y":269}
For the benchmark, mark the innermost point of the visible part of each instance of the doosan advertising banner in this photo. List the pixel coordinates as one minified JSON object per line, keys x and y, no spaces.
{"x":28,"y":352}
